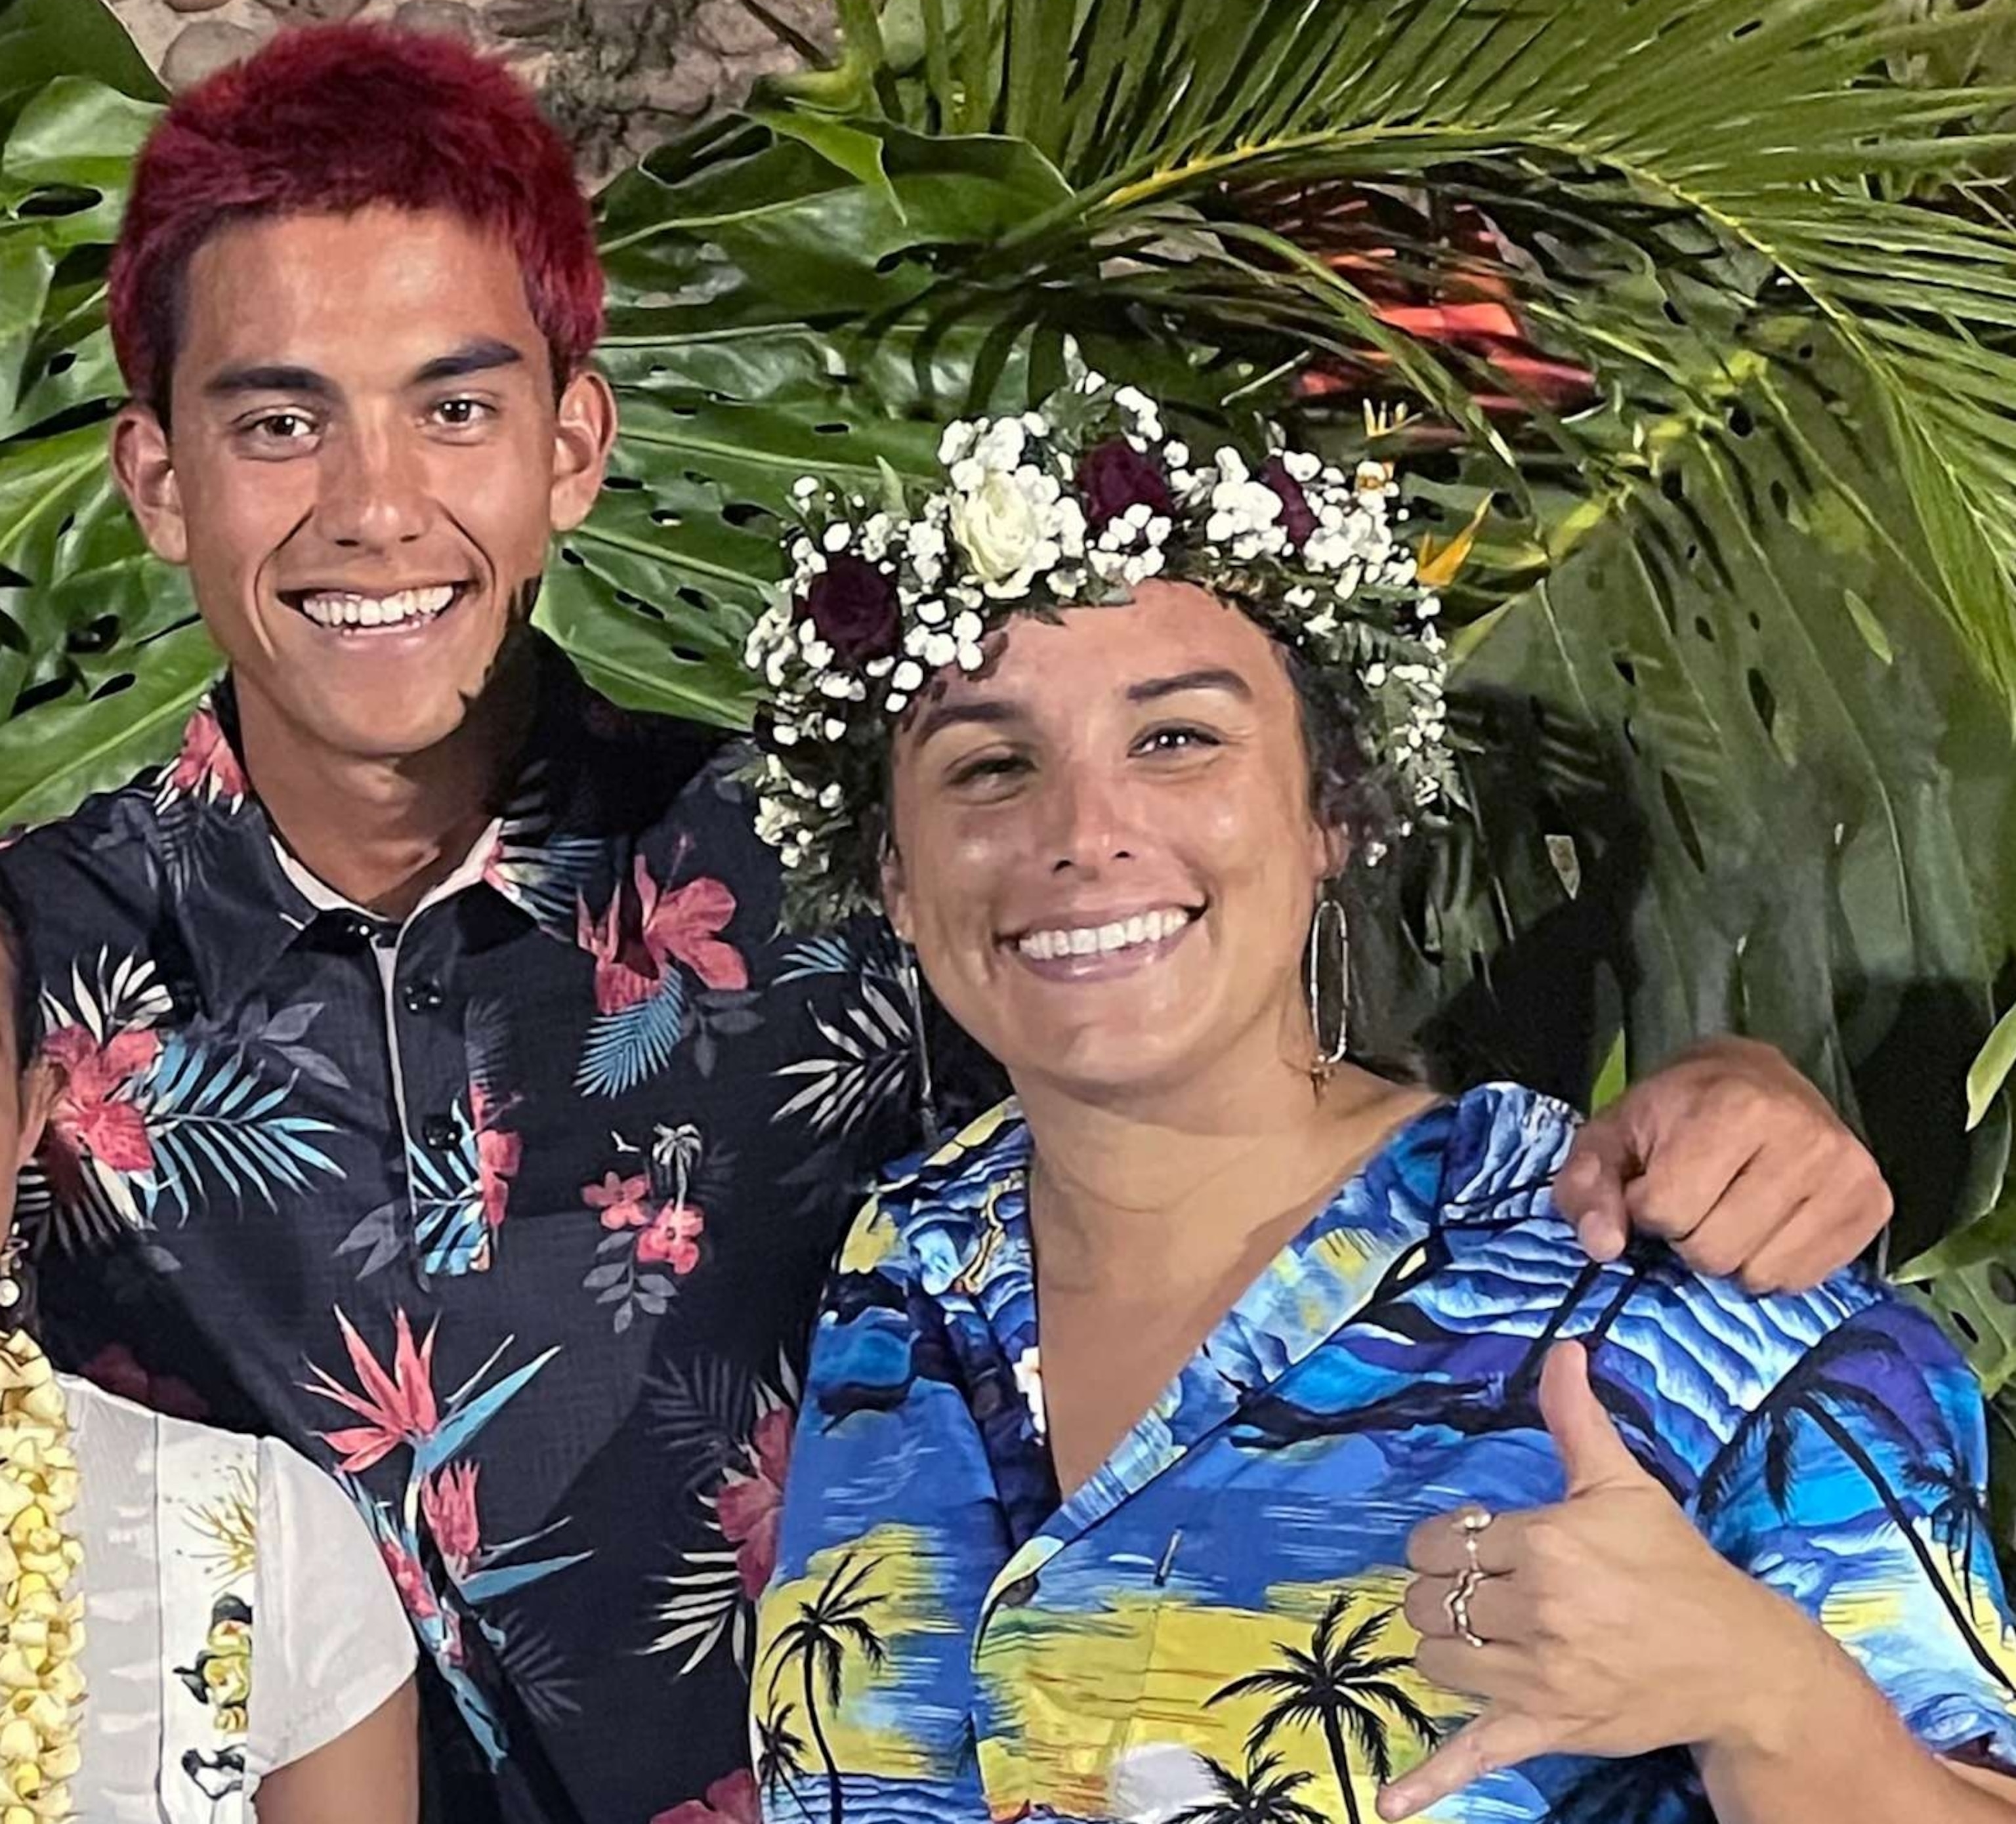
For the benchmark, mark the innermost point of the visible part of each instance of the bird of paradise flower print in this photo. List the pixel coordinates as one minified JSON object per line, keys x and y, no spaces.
{"x":643,"y":940}
{"x":400,"y":1411}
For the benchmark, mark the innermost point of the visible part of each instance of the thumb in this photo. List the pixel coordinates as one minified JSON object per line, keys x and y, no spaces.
{"x":1589,"y":1190}
{"x":1591,"y":1451}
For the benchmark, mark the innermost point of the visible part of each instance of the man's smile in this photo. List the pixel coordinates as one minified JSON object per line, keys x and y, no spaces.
{"x":356,"y":611}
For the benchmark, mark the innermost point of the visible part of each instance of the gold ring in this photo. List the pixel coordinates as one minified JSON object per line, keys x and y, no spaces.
{"x":1457,"y":1604}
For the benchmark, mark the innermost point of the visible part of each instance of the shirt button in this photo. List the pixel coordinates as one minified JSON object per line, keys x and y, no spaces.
{"x":1019,"y":1594}
{"x":440,"y":1131}
{"x":421,"y":997}
{"x":358,"y":929}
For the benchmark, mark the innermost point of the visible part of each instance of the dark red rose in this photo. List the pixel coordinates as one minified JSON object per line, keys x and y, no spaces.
{"x":1114,"y":476}
{"x":1298,"y":518}
{"x":853,"y":605}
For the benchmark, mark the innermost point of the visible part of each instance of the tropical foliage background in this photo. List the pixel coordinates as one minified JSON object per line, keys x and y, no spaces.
{"x":1706,"y":313}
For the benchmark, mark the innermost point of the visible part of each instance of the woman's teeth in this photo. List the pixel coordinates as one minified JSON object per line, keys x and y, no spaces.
{"x":1097,"y":940}
{"x":329,"y":608}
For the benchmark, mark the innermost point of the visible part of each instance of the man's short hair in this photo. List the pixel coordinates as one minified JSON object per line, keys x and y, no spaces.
{"x":330,"y":119}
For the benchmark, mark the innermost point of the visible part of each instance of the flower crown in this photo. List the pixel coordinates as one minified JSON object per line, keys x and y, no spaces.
{"x":1074,"y":506}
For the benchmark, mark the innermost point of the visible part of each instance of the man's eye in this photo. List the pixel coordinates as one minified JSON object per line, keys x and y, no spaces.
{"x":281,"y":427}
{"x":459,"y":414}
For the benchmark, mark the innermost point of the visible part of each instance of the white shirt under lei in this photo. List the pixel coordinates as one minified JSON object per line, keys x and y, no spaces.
{"x":237,"y":1615}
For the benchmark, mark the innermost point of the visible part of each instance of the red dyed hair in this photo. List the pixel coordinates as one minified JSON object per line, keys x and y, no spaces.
{"x":329,"y":119}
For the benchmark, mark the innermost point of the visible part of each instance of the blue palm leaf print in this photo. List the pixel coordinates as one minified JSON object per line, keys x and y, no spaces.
{"x":215,"y":1123}
{"x":632,"y":1044}
{"x":448,"y":1227}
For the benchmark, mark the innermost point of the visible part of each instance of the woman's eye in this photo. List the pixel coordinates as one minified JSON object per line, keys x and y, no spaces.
{"x":1174,"y":740}
{"x":988,"y":769}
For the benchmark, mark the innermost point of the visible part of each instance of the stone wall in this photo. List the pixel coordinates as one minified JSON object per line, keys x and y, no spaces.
{"x":618,"y":75}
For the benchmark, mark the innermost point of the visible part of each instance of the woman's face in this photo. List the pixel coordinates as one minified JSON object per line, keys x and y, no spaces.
{"x":1104,"y":850}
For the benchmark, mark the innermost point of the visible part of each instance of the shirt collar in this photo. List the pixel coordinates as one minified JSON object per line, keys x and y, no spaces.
{"x":242,"y":902}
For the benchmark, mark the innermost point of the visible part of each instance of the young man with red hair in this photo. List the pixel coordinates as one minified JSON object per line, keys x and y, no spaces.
{"x":440,"y":1094}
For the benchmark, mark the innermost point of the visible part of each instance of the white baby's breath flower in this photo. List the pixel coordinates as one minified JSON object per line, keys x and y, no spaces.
{"x":836,"y":536}
{"x":939,"y":649}
{"x":908,"y":676}
{"x":957,"y":442}
{"x":836,"y":730}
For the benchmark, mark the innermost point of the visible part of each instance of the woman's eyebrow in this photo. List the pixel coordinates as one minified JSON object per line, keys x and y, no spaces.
{"x":1215,"y":677}
{"x":990,"y":712}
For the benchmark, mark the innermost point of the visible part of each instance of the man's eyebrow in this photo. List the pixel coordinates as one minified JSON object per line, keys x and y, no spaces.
{"x":472,"y":357}
{"x":267,"y":377}
{"x":988,"y":713}
{"x":1215,"y":677}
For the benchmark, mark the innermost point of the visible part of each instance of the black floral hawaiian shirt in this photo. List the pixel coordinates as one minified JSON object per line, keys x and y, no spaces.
{"x":513,"y":1214}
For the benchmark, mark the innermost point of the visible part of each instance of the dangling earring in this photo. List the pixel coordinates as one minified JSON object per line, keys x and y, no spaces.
{"x":1329,"y":932}
{"x":927,"y":1102}
{"x":12,"y":1291}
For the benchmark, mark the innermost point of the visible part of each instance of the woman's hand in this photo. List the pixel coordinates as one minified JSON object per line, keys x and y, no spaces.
{"x":1609,"y":1627}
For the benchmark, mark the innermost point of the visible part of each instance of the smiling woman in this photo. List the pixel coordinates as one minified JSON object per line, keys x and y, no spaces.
{"x":1211,"y":1431}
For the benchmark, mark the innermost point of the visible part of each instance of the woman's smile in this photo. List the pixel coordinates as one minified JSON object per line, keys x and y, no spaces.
{"x":1099,"y":950}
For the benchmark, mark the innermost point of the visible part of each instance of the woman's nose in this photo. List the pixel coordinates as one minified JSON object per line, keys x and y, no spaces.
{"x":1090,"y":825}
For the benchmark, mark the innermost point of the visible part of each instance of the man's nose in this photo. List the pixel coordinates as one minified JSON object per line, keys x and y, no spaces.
{"x":372,"y":496}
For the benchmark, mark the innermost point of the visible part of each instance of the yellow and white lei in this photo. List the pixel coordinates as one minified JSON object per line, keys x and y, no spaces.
{"x":41,"y":1620}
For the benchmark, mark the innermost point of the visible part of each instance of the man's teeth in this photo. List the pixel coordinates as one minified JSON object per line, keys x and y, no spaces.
{"x":1097,"y":940}
{"x":332,"y":608}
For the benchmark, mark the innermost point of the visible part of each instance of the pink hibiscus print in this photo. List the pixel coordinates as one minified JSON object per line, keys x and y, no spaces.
{"x":750,"y":1500}
{"x":645,"y":930}
{"x":673,"y":1238}
{"x":117,"y":1370}
{"x":732,"y":1800}
{"x":92,"y":1116}
{"x":498,"y":1155}
{"x":206,"y":765}
{"x":620,"y":1199}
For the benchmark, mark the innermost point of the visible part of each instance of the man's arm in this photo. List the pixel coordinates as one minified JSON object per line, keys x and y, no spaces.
{"x":1734,"y":1158}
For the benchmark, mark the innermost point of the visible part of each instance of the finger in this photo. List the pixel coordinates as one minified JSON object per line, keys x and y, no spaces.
{"x":1830,"y":1229}
{"x":1497,"y":1739}
{"x":1497,"y":1610}
{"x":1759,"y":1201}
{"x":1685,"y":1175}
{"x":1436,"y":1546}
{"x":1498,"y":1673}
{"x":1589,"y":1191}
{"x":1592,"y":1453}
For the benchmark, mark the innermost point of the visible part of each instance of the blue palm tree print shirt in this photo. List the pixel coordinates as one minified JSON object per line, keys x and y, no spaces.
{"x":1209,"y":1629}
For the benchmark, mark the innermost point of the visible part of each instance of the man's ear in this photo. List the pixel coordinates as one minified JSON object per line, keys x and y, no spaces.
{"x":583,"y":433}
{"x":40,"y":1083}
{"x":146,"y":473}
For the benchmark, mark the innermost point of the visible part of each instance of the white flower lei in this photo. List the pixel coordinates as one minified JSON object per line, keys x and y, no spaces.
{"x":1011,"y":530}
{"x":42,"y":1623}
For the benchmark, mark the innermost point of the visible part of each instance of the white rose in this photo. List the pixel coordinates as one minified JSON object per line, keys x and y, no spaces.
{"x":998,"y":527}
